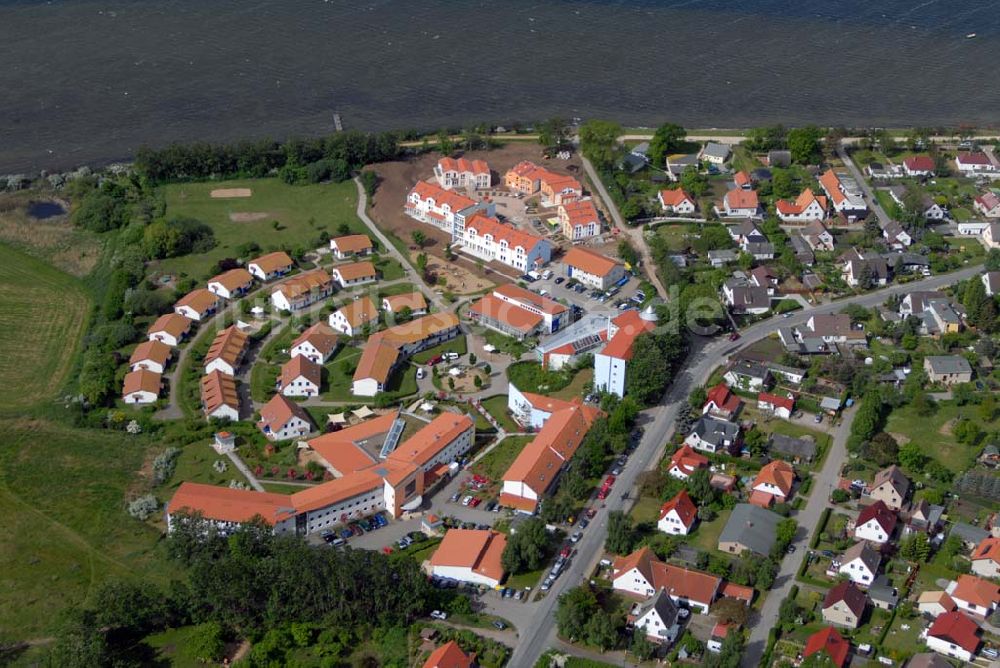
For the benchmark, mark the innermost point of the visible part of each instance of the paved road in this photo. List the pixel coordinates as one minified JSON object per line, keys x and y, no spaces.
{"x":659,"y":423}
{"x":873,"y":202}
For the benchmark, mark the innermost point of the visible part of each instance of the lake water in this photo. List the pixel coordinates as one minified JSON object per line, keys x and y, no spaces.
{"x":90,"y":81}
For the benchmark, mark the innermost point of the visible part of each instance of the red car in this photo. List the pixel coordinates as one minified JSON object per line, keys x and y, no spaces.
{"x":565,"y":552}
{"x":434,"y":360}
{"x":475,"y":502}
{"x":602,"y":493}
{"x":609,"y":481}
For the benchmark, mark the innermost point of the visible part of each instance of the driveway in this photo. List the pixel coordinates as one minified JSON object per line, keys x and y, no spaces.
{"x":859,"y":177}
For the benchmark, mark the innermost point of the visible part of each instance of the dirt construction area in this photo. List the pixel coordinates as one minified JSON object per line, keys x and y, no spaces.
{"x":462,"y":277}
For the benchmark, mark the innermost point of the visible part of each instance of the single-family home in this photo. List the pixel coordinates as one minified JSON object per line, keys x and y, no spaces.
{"x":969,"y":534}
{"x":947,"y":369}
{"x":678,"y":515}
{"x":864,"y":269}
{"x":150,"y":355}
{"x":300,"y":377}
{"x":450,"y":655}
{"x":991,"y":280}
{"x":742,"y":298}
{"x":764,"y":277}
{"x":844,"y":605}
{"x":924,"y":518}
{"x":414,"y":301}
{"x":739,"y":203}
{"x":748,"y":375}
{"x":677,"y":163}
{"x":490,"y":240}
{"x":833,"y":328}
{"x":592,"y":268}
{"x":776,"y":405}
{"x":817,"y":236}
{"x":227,"y":350}
{"x":686,"y":461}
{"x":883,"y":594}
{"x":890,"y":487}
{"x":988,"y":204}
{"x":986,"y":558}
{"x":991,"y":235}
{"x":270,"y":266}
{"x":470,"y":555}
{"x":317,"y":342}
{"x":715,"y":153}
{"x":829,"y":643}
{"x":860,"y":563}
{"x":713,"y":435}
{"x":933,"y":604}
{"x":354,"y":273}
{"x":282,"y":419}
{"x":170,"y":328}
{"x":773,"y":484}
{"x":742,"y":179}
{"x":954,"y":634}
{"x":579,"y":219}
{"x":198,"y":304}
{"x":895,"y":235}
{"x":300,"y":291}
{"x":231,"y":284}
{"x":721,"y":402}
{"x":875,"y":523}
{"x":462,"y":173}
{"x":657,"y":617}
{"x":918,"y":165}
{"x":844,"y":195}
{"x":351,"y":245}
{"x":676,"y":201}
{"x":807,"y":207}
{"x":797,"y":449}
{"x":974,"y":595}
{"x":642,"y":574}
{"x":749,"y":528}
{"x":219,"y":398}
{"x":352,"y":318}
{"x":974,"y":163}
{"x":141,"y":387}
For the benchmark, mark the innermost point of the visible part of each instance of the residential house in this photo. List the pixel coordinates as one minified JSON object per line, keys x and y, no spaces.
{"x":351,"y":246}
{"x":317,"y":342}
{"x":844,"y":194}
{"x":861,"y":269}
{"x":714,"y":435}
{"x":742,"y":298}
{"x":722,"y":403}
{"x":933,"y":604}
{"x":975,"y":595}
{"x":875,"y":523}
{"x":462,"y":173}
{"x":947,"y":369}
{"x":991,"y":235}
{"x":916,"y":302}
{"x":300,"y":377}
{"x":844,"y":605}
{"x":414,"y":301}
{"x":773,"y":484}
{"x":803,"y":253}
{"x":890,"y":487}
{"x":303,"y":290}
{"x":932,"y":210}
{"x":611,"y":362}
{"x":529,"y":179}
{"x":171,"y":329}
{"x":896,"y":237}
{"x":352,"y":318}
{"x":969,"y":534}
{"x":532,"y":410}
{"x":988,"y":204}
{"x":282,"y":419}
{"x":231,"y":284}
{"x":198,"y":304}
{"x":450,"y":655}
{"x":141,"y":387}
{"x":918,"y":165}
{"x":972,"y":228}
{"x":676,"y":202}
{"x":227,"y":350}
{"x":150,"y":355}
{"x":764,"y":277}
{"x":715,"y":153}
{"x":678,"y":515}
{"x":748,"y":375}
{"x":789,"y":374}
{"x":676,"y":164}
{"x":882,"y":594}
{"x":986,"y":558}
{"x":579,"y":220}
{"x":954,"y":634}
{"x":657,"y":618}
{"x":798,"y":449}
{"x":219,"y":398}
{"x":444,"y":209}
{"x":490,"y":240}
{"x":685,"y":461}
{"x":860,"y":563}
{"x":974,"y":163}
{"x":720,"y":258}
{"x":739,"y":203}
{"x":751,"y":240}
{"x":593,"y":269}
{"x":832,"y":329}
{"x":387,"y":349}
{"x":776,"y":405}
{"x":817,"y":236}
{"x":928,"y":660}
{"x":806,"y":208}
{"x":354,"y":273}
{"x":642,"y":574}
{"x":742,"y":180}
{"x":830,"y":643}
{"x":270,"y":266}
{"x":750,"y":528}
{"x":470,"y":555}
{"x":924,"y":518}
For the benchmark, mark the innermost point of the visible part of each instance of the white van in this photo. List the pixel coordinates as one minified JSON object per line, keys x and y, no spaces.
{"x":547,"y":274}
{"x":534,"y":274}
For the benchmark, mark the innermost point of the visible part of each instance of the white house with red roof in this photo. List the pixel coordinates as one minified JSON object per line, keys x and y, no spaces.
{"x":592,"y":269}
{"x":918,"y":165}
{"x":721,"y":402}
{"x":490,"y":240}
{"x":988,"y":204}
{"x":318,"y":343}
{"x":533,"y":410}
{"x":610,"y":363}
{"x":875,"y":524}
{"x":844,"y":194}
{"x":974,"y":163}
{"x":954,"y":634}
{"x":986,"y":558}
{"x":676,"y":201}
{"x":739,"y":203}
{"x":974,"y":595}
{"x":462,"y":173}
{"x":470,"y":555}
{"x":642,"y":574}
{"x":775,"y":481}
{"x":685,"y":461}
{"x":806,"y":208}
{"x":678,"y":515}
{"x":445,"y":209}
{"x":776,"y":405}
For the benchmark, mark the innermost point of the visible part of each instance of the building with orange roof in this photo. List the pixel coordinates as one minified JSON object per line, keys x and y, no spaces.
{"x":470,"y":555}
{"x":986,"y":558}
{"x":141,"y":387}
{"x":171,"y":329}
{"x":514,"y":311}
{"x":354,"y":273}
{"x":378,"y":360}
{"x":721,"y":402}
{"x":579,"y":220}
{"x":444,"y":209}
{"x":228,"y":507}
{"x":317,"y":342}
{"x":686,"y":461}
{"x":270,"y":266}
{"x":844,"y":194}
{"x":462,"y":173}
{"x":775,"y":480}
{"x":351,"y":245}
{"x":300,"y":291}
{"x":741,"y":179}
{"x":348,"y":450}
{"x":219,"y":398}
{"x":352,"y":318}
{"x":528,"y":179}
{"x":524,"y":178}
{"x":538,"y":465}
{"x":739,"y":203}
{"x":956,"y":635}
{"x":231,"y":284}
{"x":592,"y":269}
{"x":490,"y":240}
{"x":450,"y":655}
{"x":642,"y":574}
{"x":828,"y":642}
{"x":150,"y":355}
{"x":678,"y":515}
{"x":198,"y":304}
{"x":227,"y":350}
{"x":414,"y":301}
{"x":806,"y":208}
{"x":676,"y":201}
{"x":533,"y":410}
{"x":975,"y":595}
{"x":442,"y":441}
{"x":390,"y":347}
{"x":282,"y":419}
{"x":776,"y":405}
{"x":611,"y":362}
{"x":300,"y":377}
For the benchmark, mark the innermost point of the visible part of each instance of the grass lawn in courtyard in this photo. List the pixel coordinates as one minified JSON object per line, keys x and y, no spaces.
{"x":507,"y":345}
{"x":576,"y":387}
{"x":496,"y":462}
{"x":706,"y":534}
{"x":340,"y":374}
{"x":646,"y":509}
{"x":456,"y":345}
{"x":497,"y":407}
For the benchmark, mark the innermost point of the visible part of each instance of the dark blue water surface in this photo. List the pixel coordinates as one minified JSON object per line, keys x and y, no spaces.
{"x":90,"y":81}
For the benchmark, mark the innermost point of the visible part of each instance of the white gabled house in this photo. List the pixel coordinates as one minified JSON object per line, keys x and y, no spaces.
{"x":860,"y":563}
{"x":678,"y":515}
{"x":875,"y":524}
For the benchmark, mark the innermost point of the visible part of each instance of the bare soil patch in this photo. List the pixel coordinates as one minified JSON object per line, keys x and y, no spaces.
{"x":902,"y":439}
{"x":249,"y":216}
{"x":460,"y":280}
{"x":231,"y":193}
{"x":947,"y":429}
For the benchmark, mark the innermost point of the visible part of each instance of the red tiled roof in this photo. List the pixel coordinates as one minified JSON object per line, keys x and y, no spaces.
{"x":322,"y":337}
{"x":630,"y":325}
{"x":679,"y":582}
{"x":355,"y":270}
{"x":512,"y":315}
{"x":580,"y":212}
{"x":741,"y":178}
{"x":831,"y":642}
{"x":723,"y":398}
{"x":278,"y":411}
{"x":674,"y":197}
{"x":742,"y":199}
{"x":540,"y":461}
{"x":449,"y":655}
{"x":300,"y":366}
{"x":272,"y":261}
{"x":973,"y":159}
{"x":233,"y":279}
{"x":879,"y":512}
{"x":956,"y":628}
{"x":988,"y":548}
{"x":511,"y":292}
{"x":218,"y":389}
{"x":686,"y":459}
{"x":919,"y":163}
{"x":478,"y":550}
{"x":463,"y":165}
{"x":412,"y":300}
{"x":801,"y":203}
{"x":200,"y":300}
{"x":589,"y":261}
{"x":230,"y":505}
{"x":982,"y":593}
{"x":739,"y":592}
{"x":432,"y":438}
{"x":426,"y":190}
{"x":682,"y":504}
{"x":228,"y":345}
{"x":352,"y":243}
{"x":776,"y":400}
{"x":153,"y":351}
{"x":174,"y":324}
{"x":484,"y":225}
{"x":831,"y":184}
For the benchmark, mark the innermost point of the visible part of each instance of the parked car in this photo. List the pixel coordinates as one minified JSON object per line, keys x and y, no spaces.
{"x":437,"y":614}
{"x":559,"y":279}
{"x":576,"y":537}
{"x":499,"y":625}
{"x":420,"y":373}
{"x":467,"y":500}
{"x":451,"y":356}
{"x":455,"y":497}
{"x":434,"y":360}
{"x":818,"y":418}
{"x":475,"y":502}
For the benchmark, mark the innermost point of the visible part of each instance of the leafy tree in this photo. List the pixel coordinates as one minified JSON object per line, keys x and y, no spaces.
{"x":730,"y":654}
{"x":765,"y":139}
{"x":602,"y":630}
{"x":628,"y":253}
{"x":915,"y":548}
{"x":419,"y":238}
{"x":620,"y":536}
{"x":648,"y":370}
{"x":576,"y":607}
{"x":700,"y":487}
{"x":369,"y":180}
{"x":731,"y":611}
{"x":804,"y":144}
{"x":912,"y":458}
{"x":881,"y":449}
{"x":785,"y":533}
{"x":667,"y":139}
{"x":782,"y":183}
{"x":767,"y":570}
{"x":553,"y":132}
{"x":206,"y":642}
{"x":756,"y":441}
{"x":697,"y":398}
{"x":103,"y":209}
{"x":641,"y":647}
{"x":789,"y":611}
{"x":598,"y":140}
{"x":694,"y":182}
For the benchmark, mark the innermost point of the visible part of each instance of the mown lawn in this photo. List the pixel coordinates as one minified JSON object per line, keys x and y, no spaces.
{"x":933,"y":432}
{"x":497,"y":407}
{"x":302,"y":214}
{"x":340,"y":374}
{"x":576,"y":386}
{"x":706,"y":534}
{"x":495,"y":463}
{"x":456,"y":345}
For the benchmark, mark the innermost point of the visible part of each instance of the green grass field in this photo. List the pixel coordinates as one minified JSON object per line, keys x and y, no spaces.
{"x":42,"y":314}
{"x":934,"y":435}
{"x":498,"y":460}
{"x":497,"y":407}
{"x":302,"y":213}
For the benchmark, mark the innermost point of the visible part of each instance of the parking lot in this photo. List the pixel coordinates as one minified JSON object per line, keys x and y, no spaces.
{"x":586,"y":297}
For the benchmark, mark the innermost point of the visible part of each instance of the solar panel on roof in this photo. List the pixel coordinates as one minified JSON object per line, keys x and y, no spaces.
{"x":586,"y":343}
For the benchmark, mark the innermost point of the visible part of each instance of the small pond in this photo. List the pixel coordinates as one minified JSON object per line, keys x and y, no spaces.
{"x":45,"y":209}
